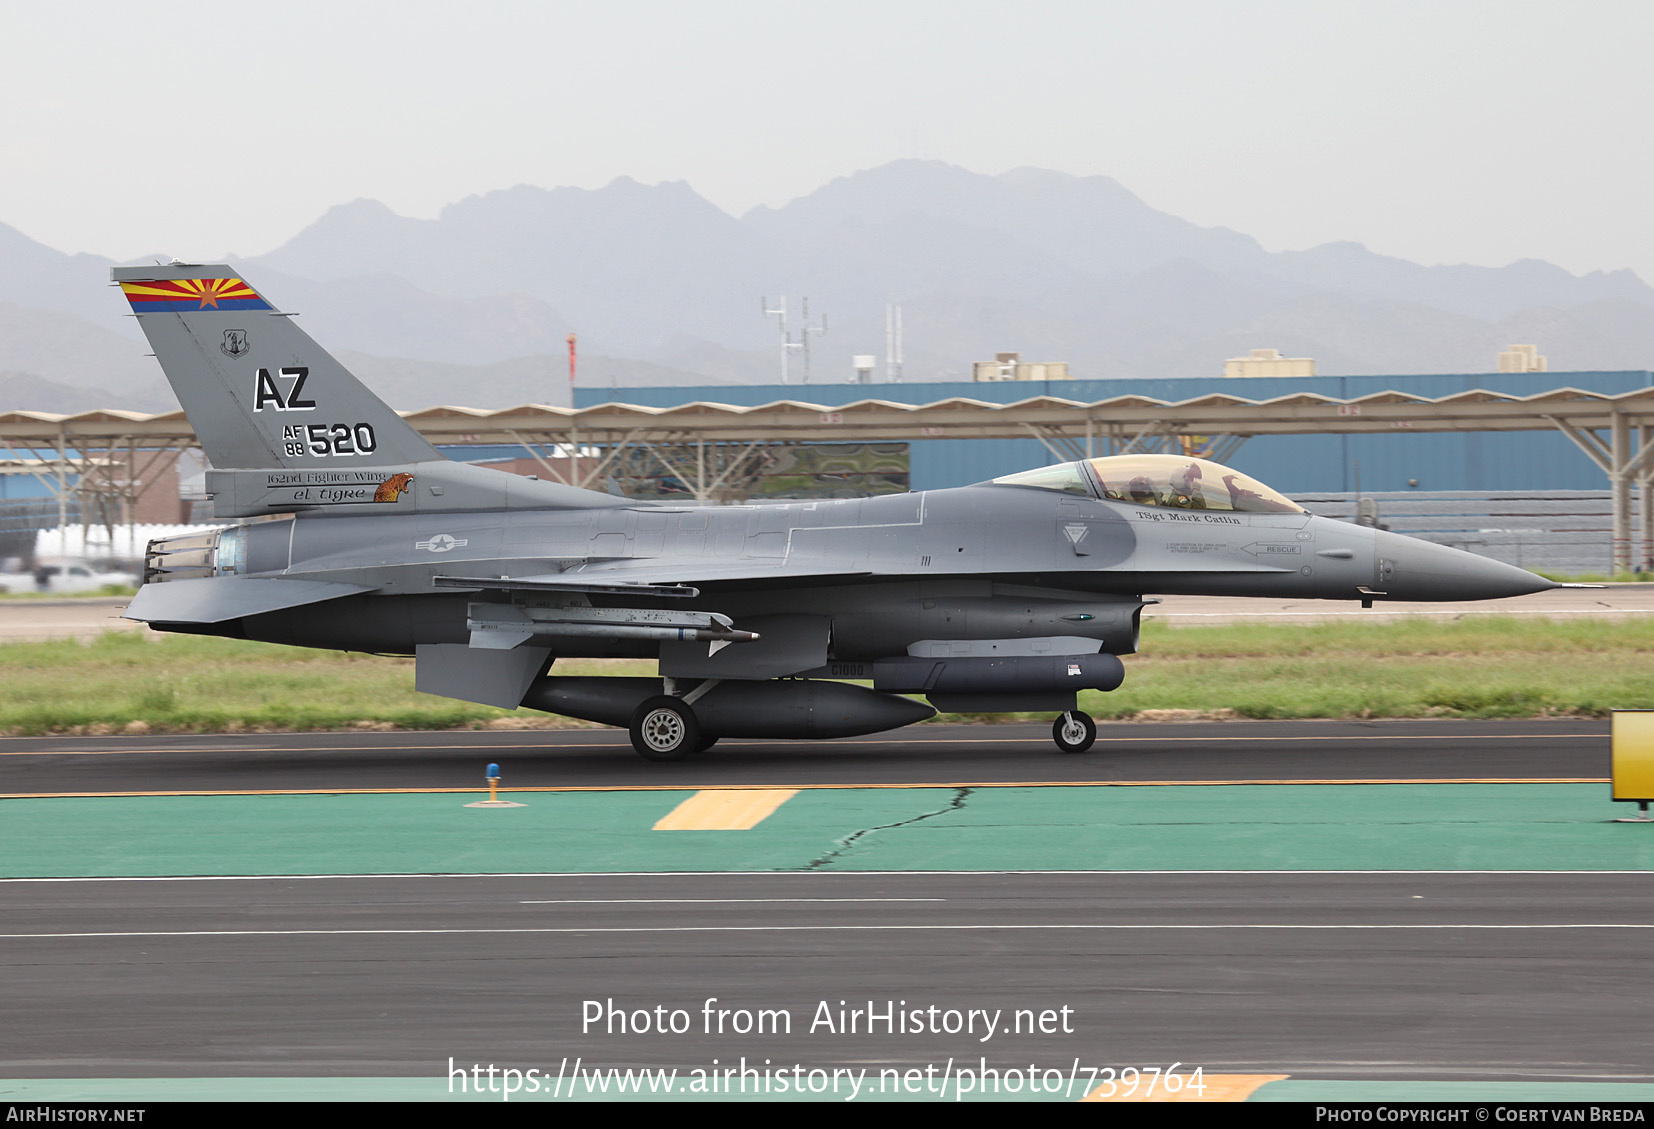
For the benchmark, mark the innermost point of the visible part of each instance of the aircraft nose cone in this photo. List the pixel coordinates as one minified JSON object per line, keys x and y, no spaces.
{"x":1411,"y":569}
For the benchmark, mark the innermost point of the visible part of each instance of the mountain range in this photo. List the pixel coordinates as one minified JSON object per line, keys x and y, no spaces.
{"x":663,"y":287}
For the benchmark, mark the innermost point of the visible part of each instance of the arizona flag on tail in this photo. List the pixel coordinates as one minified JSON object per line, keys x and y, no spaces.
{"x":179,"y":295}
{"x":258,"y":391}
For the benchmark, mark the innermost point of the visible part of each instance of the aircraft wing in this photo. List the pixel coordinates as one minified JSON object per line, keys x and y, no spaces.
{"x":215,"y":599}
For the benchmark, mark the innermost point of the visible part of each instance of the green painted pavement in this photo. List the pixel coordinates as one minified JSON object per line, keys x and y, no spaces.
{"x":1272,"y":827}
{"x":1239,"y":827}
{"x":1598,"y":1093}
{"x":688,"y":1084}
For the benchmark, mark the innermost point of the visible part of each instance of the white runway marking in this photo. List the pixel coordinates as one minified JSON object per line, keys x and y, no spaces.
{"x":700,"y":901}
{"x":805,"y":929}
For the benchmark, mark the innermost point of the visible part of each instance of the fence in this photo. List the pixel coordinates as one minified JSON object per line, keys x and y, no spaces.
{"x":1546,"y":530}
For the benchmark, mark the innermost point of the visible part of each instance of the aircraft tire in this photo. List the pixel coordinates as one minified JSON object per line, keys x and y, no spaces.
{"x":664,"y":729}
{"x":1074,"y":732}
{"x":705,"y":743}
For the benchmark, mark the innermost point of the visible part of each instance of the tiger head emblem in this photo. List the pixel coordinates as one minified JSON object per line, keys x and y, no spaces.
{"x":393,"y":487}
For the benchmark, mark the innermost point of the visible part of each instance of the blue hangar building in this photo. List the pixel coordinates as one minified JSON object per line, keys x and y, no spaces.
{"x":1294,"y":464}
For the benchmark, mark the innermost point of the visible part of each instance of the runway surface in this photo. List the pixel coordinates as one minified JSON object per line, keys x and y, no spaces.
{"x":921,"y":755}
{"x":84,"y":617}
{"x":1384,"y":937}
{"x":1378,"y":976}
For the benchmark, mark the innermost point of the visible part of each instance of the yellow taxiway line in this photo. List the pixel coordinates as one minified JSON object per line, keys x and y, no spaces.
{"x":725,"y":809}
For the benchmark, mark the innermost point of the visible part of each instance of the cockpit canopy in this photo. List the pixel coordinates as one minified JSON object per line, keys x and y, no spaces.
{"x":1174,"y":481}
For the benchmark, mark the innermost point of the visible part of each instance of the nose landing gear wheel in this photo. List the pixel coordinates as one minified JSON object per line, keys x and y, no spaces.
{"x":1074,"y":732}
{"x":664,"y":729}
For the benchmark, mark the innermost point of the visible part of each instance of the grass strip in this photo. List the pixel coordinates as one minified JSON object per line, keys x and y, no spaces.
{"x":1478,"y":667}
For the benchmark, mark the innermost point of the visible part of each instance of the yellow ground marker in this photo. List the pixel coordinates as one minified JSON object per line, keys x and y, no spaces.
{"x":1633,"y":760}
{"x":1218,"y":1088}
{"x":725,"y":809}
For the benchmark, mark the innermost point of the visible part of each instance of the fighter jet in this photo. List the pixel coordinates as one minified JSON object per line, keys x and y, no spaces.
{"x":766,"y":620}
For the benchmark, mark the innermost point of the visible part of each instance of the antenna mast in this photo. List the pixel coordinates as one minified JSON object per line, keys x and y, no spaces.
{"x":804,"y":337}
{"x":571,"y":370}
{"x":787,"y":342}
{"x":893,"y":344}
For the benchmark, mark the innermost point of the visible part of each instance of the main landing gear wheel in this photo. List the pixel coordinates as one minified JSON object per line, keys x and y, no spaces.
{"x":664,"y":729}
{"x":1074,"y":732}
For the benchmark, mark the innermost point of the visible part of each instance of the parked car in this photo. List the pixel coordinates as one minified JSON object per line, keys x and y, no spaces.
{"x":65,"y":577}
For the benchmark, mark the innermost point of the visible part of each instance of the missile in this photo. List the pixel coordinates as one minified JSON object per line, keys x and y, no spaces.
{"x":504,"y":626}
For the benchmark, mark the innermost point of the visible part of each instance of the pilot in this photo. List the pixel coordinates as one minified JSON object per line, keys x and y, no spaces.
{"x":1186,"y":489}
{"x":1142,"y":491}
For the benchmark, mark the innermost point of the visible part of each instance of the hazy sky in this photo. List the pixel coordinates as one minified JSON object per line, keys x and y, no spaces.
{"x":1443,"y":131}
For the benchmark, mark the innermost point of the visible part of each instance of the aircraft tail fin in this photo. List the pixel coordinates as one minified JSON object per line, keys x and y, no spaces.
{"x":258,"y":391}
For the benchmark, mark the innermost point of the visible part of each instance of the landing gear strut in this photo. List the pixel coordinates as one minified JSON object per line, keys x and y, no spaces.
{"x":1074,"y":732}
{"x":665,"y":729}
